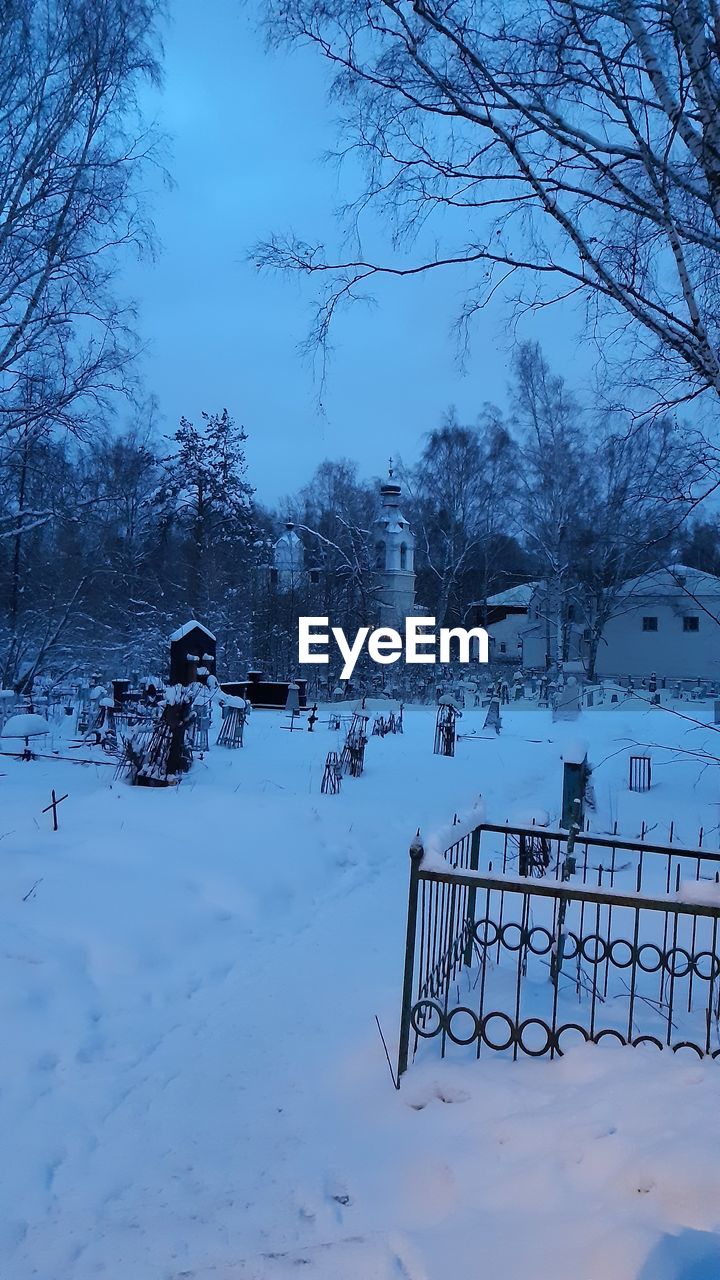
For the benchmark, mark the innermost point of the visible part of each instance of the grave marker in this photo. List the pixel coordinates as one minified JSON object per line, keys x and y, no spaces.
{"x":56,"y":800}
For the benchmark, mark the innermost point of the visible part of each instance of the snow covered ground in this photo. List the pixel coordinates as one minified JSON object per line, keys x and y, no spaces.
{"x":192,"y":1081}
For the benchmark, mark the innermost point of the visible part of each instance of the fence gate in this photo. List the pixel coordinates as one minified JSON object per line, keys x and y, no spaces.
{"x":523,"y":941}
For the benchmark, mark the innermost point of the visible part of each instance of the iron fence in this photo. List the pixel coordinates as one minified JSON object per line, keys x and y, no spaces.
{"x":521,"y":943}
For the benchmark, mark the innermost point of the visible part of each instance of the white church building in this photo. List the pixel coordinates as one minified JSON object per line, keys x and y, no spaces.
{"x":394,"y":546}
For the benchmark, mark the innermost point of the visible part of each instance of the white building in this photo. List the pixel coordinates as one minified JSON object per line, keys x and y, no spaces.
{"x":506,"y":615}
{"x":668,"y":621}
{"x":539,"y":638}
{"x":394,"y":545}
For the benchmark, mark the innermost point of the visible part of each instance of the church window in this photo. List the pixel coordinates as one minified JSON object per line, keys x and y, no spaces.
{"x":403,"y":555}
{"x":379,"y":555}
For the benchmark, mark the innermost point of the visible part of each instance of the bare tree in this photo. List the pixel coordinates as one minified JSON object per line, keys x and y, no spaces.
{"x":555,"y":467}
{"x":574,"y":142}
{"x":73,"y":148}
{"x":464,"y":492}
{"x":635,"y":502}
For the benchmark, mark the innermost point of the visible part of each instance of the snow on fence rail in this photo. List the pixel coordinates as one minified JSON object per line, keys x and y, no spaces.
{"x":521,"y":943}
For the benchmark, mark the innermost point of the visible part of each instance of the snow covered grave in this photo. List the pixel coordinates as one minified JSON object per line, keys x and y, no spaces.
{"x":566,"y":705}
{"x":25,"y":726}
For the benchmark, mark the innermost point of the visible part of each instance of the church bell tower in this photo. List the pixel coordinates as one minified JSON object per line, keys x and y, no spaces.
{"x":394,"y":546}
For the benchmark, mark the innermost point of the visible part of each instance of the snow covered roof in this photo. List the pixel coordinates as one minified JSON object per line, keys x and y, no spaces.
{"x":520,"y":596}
{"x":672,"y":581}
{"x":187,"y":627}
{"x":289,"y":538}
{"x":393,"y":522}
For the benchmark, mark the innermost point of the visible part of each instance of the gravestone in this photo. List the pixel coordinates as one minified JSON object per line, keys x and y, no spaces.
{"x":492,"y":719}
{"x":566,"y":704}
{"x":192,"y":653}
{"x":575,"y":777}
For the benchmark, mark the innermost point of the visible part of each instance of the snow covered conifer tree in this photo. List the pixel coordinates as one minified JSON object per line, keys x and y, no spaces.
{"x":207,"y":505}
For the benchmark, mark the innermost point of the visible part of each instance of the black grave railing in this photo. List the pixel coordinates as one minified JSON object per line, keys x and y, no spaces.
{"x":636,"y":864}
{"x":527,"y":963}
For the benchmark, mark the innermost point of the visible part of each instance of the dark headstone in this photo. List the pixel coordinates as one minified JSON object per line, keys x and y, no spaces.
{"x":192,"y":654}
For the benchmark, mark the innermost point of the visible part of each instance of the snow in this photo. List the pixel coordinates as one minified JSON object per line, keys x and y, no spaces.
{"x":24,"y":725}
{"x":232,"y":700}
{"x":519,"y":595}
{"x":702,"y":891}
{"x":574,"y":750}
{"x":182,"y":631}
{"x":674,"y":580}
{"x":192,"y":1082}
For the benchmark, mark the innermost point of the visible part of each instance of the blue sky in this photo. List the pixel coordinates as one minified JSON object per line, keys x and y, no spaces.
{"x":248,"y":131}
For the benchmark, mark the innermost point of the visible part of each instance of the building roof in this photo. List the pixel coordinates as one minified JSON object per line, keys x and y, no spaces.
{"x":672,"y":581}
{"x":520,"y":596}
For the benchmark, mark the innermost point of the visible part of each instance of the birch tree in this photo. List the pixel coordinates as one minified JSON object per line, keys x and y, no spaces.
{"x":555,"y":475}
{"x":635,"y":503}
{"x":464,"y":489}
{"x":557,"y":148}
{"x":73,"y":154}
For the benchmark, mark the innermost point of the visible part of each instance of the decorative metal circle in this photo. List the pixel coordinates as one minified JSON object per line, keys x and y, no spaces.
{"x":509,"y":1024}
{"x":535,"y":1022}
{"x":570,"y":1026}
{"x":600,"y":948}
{"x":505,"y":933}
{"x":647,"y":1040}
{"x":422,"y":1008}
{"x":462,"y":1009}
{"x":688,"y":1044}
{"x":622,"y":964}
{"x":546,"y":935}
{"x":567,"y":954}
{"x":609,"y":1031}
{"x":670,"y":962}
{"x":647,"y":968}
{"x":713,"y":967}
{"x":486,"y":940}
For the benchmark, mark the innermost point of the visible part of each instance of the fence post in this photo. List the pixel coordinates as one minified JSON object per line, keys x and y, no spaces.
{"x":472,"y":894}
{"x":416,"y":856}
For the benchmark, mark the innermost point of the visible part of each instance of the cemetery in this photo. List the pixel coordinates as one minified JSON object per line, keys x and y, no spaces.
{"x":551,"y":933}
{"x":359,"y":662}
